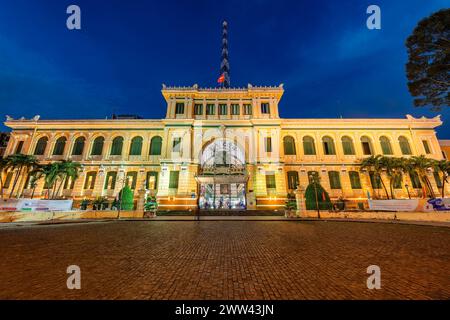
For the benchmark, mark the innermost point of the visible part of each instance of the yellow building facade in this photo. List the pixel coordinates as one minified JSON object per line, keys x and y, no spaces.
{"x":222,"y":148}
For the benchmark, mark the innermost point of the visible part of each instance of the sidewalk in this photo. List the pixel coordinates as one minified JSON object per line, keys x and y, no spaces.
{"x":220,"y":218}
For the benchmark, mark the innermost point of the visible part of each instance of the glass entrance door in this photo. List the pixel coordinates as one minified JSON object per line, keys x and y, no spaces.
{"x":222,"y":196}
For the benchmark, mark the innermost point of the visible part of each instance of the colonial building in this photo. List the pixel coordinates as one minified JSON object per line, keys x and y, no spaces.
{"x":223,"y":148}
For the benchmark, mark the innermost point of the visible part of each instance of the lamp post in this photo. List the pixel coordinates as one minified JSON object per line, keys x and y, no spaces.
{"x":407,"y":190}
{"x":317,"y":198}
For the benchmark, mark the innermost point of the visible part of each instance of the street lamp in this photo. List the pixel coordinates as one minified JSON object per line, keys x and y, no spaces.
{"x":317,"y":198}
{"x":407,"y":190}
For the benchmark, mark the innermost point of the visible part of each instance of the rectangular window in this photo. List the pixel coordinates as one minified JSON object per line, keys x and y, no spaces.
{"x":437,"y":178}
{"x":173,"y":179}
{"x":375,"y":180}
{"x":426,"y":146}
{"x":235,"y":109}
{"x":210,"y":109}
{"x":335,"y":181}
{"x":19,"y":147}
{"x":265,"y":108}
{"x":198,"y":109}
{"x":222,"y":109}
{"x":90,"y":180}
{"x":179,"y":108}
{"x":415,"y":181}
{"x":268,"y":144}
{"x":355,"y":181}
{"x":292,"y":177}
{"x":8,"y":180}
{"x":131,"y":179}
{"x":270,"y":181}
{"x":348,"y":148}
{"x":110,"y":181}
{"x":247,"y":109}
{"x":313,"y":175}
{"x":176,"y":145}
{"x":152,"y":180}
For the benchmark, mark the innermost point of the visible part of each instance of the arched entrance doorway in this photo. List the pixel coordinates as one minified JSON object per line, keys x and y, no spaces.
{"x":222,"y":176}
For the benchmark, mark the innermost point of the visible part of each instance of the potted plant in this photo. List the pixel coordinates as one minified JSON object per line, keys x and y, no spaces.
{"x":290,"y":205}
{"x":84,"y":204}
{"x":150,"y":207}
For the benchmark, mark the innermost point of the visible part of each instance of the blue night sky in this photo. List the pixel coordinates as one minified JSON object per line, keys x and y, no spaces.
{"x":330,"y":63}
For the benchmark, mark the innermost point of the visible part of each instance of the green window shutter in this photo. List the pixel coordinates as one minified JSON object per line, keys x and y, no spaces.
{"x":426,"y":146}
{"x":404,"y":146}
{"x":155,"y":146}
{"x":151,"y":182}
{"x":347,"y":146}
{"x":173,"y":179}
{"x":210,"y":109}
{"x":308,"y":146}
{"x":355,"y":181}
{"x":78,"y":146}
{"x":117,"y":145}
{"x":222,"y":109}
{"x":97,"y":147}
{"x":89,"y":183}
{"x":41,"y":145}
{"x":59,"y":146}
{"x":437,"y":178}
{"x":293,"y":180}
{"x":375,"y":180}
{"x":179,"y":108}
{"x":397,"y":183}
{"x":385,"y":146}
{"x":289,"y":146}
{"x":270,"y":181}
{"x":110,"y":182}
{"x":136,"y":146}
{"x":268,"y":144}
{"x":335,"y":181}
{"x":415,"y":180}
{"x":8,"y":180}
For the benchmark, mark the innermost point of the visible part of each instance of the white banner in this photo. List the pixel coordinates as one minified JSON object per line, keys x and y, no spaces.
{"x":394,"y":205}
{"x":35,"y":205}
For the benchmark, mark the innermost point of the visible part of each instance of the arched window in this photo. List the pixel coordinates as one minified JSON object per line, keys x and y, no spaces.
{"x":59,"y":146}
{"x":308,"y":146}
{"x":117,"y":145}
{"x":78,"y":146}
{"x":289,"y":146}
{"x":136,"y":146}
{"x":404,"y":145}
{"x":347,"y":146}
{"x":386,"y":145}
{"x":97,"y":146}
{"x":328,"y":146}
{"x":155,"y":146}
{"x":41,"y":145}
{"x":366,"y":146}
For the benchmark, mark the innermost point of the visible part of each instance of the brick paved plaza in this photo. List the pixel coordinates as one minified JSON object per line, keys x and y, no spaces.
{"x":224,"y":260}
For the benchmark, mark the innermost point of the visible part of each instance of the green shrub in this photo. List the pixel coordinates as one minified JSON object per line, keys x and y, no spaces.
{"x":310,"y":197}
{"x":127,"y":197}
{"x":291,"y":202}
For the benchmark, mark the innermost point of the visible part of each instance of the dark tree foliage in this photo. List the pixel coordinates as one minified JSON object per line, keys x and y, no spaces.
{"x":310,"y":197}
{"x":428,"y":66}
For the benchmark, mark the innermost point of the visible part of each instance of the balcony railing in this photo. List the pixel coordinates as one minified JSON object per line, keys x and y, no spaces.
{"x":222,"y":170}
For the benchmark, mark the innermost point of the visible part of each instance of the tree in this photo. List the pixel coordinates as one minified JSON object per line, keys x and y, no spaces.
{"x":442,"y":166}
{"x":394,"y":171}
{"x":421,"y":165}
{"x":3,"y":165}
{"x":428,"y":64}
{"x":323,"y":199}
{"x":376,"y":165}
{"x":66,"y":169}
{"x":126,"y":196}
{"x":23,"y":164}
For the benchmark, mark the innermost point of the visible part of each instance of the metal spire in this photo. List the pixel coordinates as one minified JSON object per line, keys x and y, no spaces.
{"x":225,"y":66}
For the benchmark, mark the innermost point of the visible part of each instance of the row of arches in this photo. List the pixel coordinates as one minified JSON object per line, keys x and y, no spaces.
{"x":79,"y":146}
{"x":328,"y":145}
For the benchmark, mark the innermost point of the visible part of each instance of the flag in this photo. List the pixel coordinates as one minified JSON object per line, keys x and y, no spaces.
{"x":324,"y":198}
{"x":221,"y":78}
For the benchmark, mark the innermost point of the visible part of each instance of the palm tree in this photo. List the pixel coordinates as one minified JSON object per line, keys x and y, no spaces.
{"x":444,"y":167}
{"x":68,"y":169}
{"x":23,"y":164}
{"x":421,"y":165}
{"x":375,"y":164}
{"x":394,"y":171}
{"x":3,"y":164}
